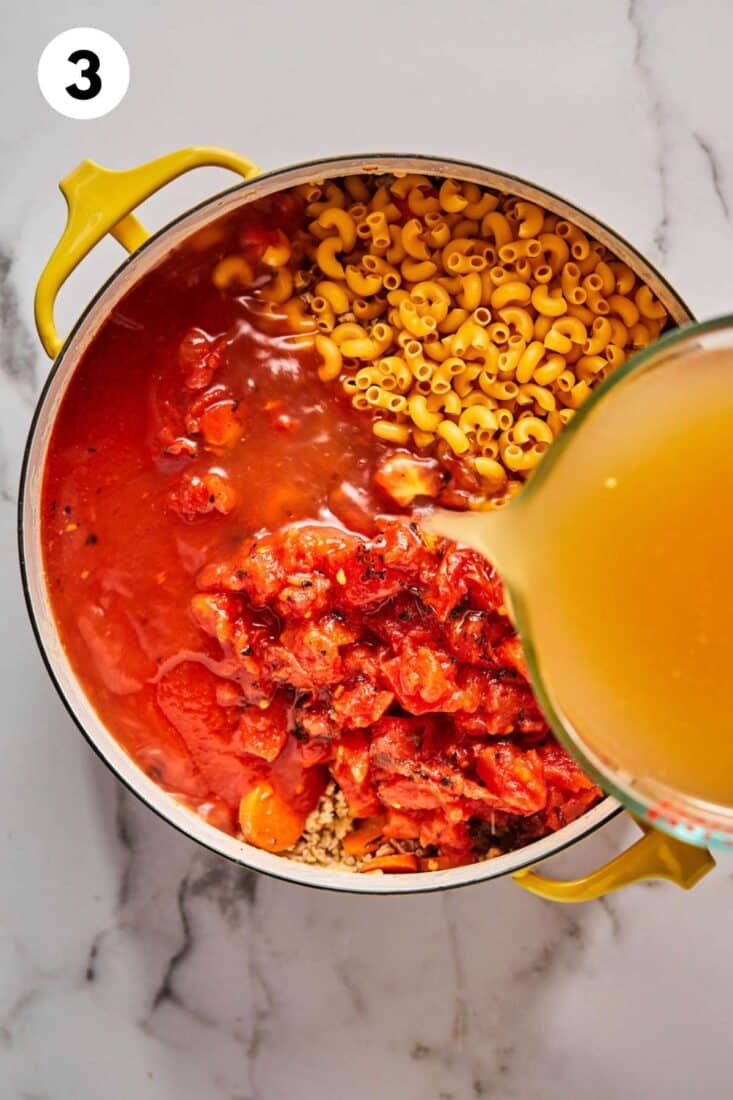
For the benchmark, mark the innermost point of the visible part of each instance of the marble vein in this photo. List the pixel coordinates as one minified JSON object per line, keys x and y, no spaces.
{"x":7,"y":490}
{"x":609,"y":908}
{"x":14,"y":1015}
{"x":166,"y":990}
{"x":90,"y":971}
{"x":123,"y":832}
{"x":644,"y":71}
{"x":716,"y":171}
{"x":17,"y":347}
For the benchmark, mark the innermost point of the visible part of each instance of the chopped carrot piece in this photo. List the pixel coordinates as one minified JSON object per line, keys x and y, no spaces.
{"x":356,"y":843}
{"x":267,"y":821}
{"x":391,"y":865}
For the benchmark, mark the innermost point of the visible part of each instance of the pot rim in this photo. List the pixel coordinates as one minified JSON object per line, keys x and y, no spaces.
{"x":161,"y":802}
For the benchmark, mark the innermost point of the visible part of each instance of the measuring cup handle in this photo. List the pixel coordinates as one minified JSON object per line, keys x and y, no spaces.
{"x":654,"y":855}
{"x":100,"y":201}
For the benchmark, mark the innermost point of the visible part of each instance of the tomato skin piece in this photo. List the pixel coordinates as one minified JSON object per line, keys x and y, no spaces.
{"x":316,"y":750}
{"x":268,"y":821}
{"x":301,"y":786}
{"x":218,"y":813}
{"x":186,"y":695}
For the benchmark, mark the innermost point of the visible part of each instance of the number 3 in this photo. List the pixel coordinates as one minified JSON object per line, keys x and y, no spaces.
{"x":90,"y":73}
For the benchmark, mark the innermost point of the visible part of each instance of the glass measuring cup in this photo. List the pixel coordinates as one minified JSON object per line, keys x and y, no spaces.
{"x":659,"y":772}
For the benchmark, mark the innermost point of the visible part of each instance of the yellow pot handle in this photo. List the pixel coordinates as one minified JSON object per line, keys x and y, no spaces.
{"x":654,"y":855}
{"x":100,"y":201}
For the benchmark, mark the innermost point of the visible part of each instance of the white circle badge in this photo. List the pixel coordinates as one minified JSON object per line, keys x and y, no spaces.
{"x":83,"y":73}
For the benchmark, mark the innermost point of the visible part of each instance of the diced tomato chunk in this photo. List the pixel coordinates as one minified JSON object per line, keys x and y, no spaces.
{"x":263,"y":731}
{"x":514,"y":774}
{"x":476,"y":637}
{"x":361,"y":704}
{"x":196,"y":496}
{"x":401,"y":824}
{"x":199,"y":357}
{"x":569,"y":807}
{"x":176,"y":445}
{"x":509,"y":652}
{"x":450,"y":836}
{"x":221,"y":425}
{"x":351,"y":770}
{"x":561,"y":770}
{"x":421,"y":678}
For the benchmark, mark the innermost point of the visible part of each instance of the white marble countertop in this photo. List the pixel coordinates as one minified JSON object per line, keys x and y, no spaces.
{"x":134,"y":965}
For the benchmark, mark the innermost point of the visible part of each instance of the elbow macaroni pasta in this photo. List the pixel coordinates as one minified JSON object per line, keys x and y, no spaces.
{"x":468,"y":324}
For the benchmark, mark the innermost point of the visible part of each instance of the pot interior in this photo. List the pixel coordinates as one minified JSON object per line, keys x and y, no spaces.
{"x":159,"y":246}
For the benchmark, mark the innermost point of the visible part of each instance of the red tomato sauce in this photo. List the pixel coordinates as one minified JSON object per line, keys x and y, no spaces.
{"x":235,"y":611}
